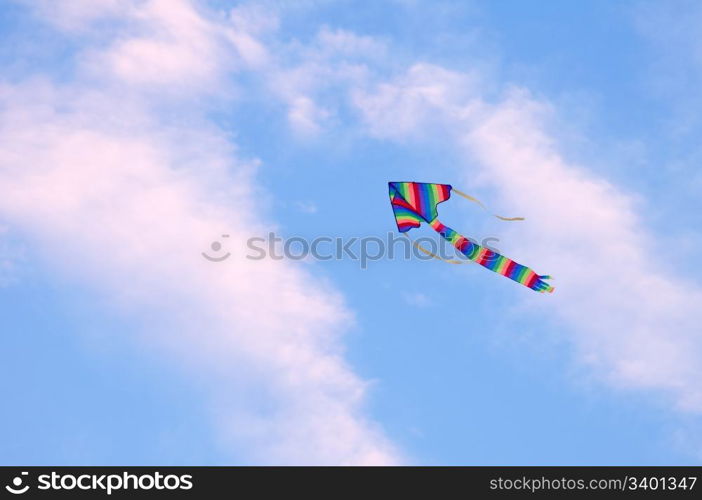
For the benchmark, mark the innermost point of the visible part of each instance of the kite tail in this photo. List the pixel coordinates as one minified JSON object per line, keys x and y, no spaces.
{"x":493,"y":260}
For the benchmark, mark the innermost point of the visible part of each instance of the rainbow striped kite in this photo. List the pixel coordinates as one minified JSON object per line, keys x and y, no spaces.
{"x":415,"y":202}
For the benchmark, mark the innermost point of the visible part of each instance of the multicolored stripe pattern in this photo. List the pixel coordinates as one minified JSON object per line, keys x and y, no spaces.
{"x":493,"y":260}
{"x":415,"y":202}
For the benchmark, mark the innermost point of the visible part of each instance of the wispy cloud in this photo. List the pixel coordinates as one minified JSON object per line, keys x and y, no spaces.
{"x":416,"y":299}
{"x":306,"y":207}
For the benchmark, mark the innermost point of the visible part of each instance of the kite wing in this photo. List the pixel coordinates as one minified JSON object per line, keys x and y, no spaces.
{"x":415,"y":202}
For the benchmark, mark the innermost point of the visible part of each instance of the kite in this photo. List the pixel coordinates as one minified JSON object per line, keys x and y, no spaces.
{"x":415,"y":202}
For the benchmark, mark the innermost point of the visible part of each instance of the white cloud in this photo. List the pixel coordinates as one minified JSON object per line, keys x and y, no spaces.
{"x":174,"y":46}
{"x":305,"y":115}
{"x":78,"y":15}
{"x":179,"y":48}
{"x":344,"y":43}
{"x":301,"y":75}
{"x":402,"y":108}
{"x":631,"y":318}
{"x":124,"y":200}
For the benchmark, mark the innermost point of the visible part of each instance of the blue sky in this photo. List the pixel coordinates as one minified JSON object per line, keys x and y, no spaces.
{"x":135,"y":133}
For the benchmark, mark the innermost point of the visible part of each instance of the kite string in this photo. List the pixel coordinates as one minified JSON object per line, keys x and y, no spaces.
{"x":482,"y":205}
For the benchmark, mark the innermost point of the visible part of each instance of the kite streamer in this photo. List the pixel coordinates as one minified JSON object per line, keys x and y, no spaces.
{"x":416,"y":202}
{"x":433,"y":255}
{"x":475,"y":200}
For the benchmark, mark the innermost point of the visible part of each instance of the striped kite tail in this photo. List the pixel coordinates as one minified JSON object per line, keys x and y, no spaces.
{"x":493,"y":260}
